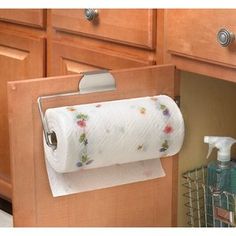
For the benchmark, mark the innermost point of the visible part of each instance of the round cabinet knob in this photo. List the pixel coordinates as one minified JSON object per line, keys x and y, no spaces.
{"x":225,"y":37}
{"x":90,"y":14}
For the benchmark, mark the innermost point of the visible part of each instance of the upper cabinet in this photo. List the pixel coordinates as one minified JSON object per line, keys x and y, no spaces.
{"x":133,"y":27}
{"x":196,"y":37}
{"x":31,"y":17}
{"x":91,"y":39}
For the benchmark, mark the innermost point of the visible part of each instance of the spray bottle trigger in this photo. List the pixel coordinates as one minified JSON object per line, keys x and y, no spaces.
{"x":211,"y":146}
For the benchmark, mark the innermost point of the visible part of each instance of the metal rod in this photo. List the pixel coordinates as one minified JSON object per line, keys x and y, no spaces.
{"x":205,"y":205}
{"x":203,"y":168}
{"x":220,"y":204}
{"x":47,"y":133}
{"x":198,"y":203}
{"x":190,"y":203}
{"x":213,"y":210}
{"x":227,"y":205}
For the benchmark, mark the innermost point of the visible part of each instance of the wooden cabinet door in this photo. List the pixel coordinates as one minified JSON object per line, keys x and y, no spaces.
{"x":67,"y":59}
{"x":145,"y":203}
{"x":21,"y":57}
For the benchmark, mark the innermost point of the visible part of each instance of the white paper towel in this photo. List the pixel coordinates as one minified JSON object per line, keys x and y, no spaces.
{"x":111,"y":143}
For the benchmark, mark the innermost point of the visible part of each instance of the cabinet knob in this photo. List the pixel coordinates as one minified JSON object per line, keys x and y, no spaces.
{"x":90,"y":14}
{"x":225,"y":37}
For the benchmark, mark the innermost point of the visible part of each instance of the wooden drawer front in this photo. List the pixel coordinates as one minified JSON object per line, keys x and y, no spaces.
{"x":192,"y":33}
{"x":133,"y":26}
{"x":66,"y":59}
{"x":32,"y":17}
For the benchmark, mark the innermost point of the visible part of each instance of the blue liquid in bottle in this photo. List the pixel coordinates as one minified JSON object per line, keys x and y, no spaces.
{"x":218,"y":181}
{"x":232,"y":186}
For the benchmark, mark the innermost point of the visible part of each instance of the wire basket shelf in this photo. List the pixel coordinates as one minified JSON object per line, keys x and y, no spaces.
{"x":204,"y":207}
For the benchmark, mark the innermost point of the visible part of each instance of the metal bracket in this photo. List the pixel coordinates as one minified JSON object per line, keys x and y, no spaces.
{"x":177,"y":100}
{"x":94,"y":81}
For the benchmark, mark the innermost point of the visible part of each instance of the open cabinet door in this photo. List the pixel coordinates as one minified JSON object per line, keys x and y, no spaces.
{"x":146,"y":203}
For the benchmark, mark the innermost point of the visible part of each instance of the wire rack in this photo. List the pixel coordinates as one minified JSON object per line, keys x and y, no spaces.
{"x":204,"y":207}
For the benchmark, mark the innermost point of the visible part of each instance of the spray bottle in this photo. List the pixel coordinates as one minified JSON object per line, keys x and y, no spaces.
{"x":219,"y":176}
{"x":220,"y":179}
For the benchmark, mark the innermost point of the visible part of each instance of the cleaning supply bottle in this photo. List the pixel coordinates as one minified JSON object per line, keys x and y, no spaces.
{"x":233,"y":177}
{"x":220,"y":180}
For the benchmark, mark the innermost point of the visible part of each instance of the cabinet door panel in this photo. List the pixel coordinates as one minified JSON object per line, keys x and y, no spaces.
{"x":146,"y":203}
{"x":66,"y":59}
{"x":72,"y":67}
{"x":20,"y":58}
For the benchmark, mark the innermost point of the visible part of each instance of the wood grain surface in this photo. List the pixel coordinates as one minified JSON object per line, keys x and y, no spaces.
{"x":147,"y":203}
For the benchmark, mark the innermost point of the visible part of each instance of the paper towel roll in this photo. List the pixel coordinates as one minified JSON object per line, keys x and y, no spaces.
{"x":105,"y":134}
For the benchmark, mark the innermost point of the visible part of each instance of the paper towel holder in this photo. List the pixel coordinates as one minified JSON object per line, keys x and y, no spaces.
{"x":92,"y":81}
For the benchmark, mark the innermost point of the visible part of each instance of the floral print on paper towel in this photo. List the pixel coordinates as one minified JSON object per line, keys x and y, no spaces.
{"x":71,"y":109}
{"x":168,"y":129}
{"x":142,"y":110}
{"x":165,"y":110}
{"x":162,"y":107}
{"x":140,"y":147}
{"x":81,"y":121}
{"x":164,"y":146}
{"x":82,"y":118}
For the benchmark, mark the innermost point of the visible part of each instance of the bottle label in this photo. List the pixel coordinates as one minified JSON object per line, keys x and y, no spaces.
{"x":224,"y":215}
